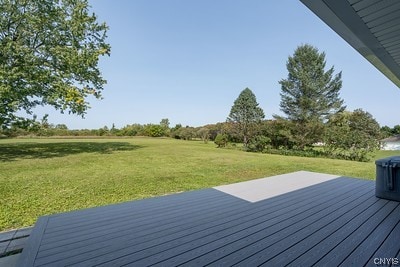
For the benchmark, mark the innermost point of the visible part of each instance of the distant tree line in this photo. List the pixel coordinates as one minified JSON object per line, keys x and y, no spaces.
{"x":348,"y":135}
{"x":388,"y":132}
{"x":163,"y":129}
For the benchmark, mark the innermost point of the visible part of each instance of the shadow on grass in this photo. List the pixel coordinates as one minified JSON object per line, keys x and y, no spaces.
{"x":11,"y":152}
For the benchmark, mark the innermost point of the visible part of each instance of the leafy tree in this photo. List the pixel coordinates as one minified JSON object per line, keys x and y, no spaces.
{"x":103,"y":131}
{"x":187,"y":133}
{"x":49,"y":52}
{"x":204,"y":134}
{"x":164,"y":123}
{"x":258,"y":143}
{"x":215,"y":129}
{"x":246,"y":113}
{"x":233,"y":133}
{"x":153,"y":130}
{"x":131,"y":130}
{"x":221,"y":140}
{"x":307,"y":133}
{"x":352,"y":135}
{"x":61,"y":127}
{"x":310,"y":94}
{"x":174,"y":132}
{"x":113,"y":129}
{"x":386,"y":131}
{"x":61,"y":130}
{"x":396,"y":130}
{"x":279,"y":131}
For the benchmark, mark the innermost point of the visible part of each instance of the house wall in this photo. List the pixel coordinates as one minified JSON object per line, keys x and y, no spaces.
{"x":391,"y":146}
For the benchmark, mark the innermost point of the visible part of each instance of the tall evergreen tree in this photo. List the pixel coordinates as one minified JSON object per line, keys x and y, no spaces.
{"x":310,"y":94}
{"x":245,"y":113}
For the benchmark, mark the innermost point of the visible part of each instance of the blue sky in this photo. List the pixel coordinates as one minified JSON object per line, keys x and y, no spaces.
{"x":189,"y":60}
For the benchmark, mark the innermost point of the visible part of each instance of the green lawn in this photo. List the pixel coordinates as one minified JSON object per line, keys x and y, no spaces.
{"x":45,"y":176}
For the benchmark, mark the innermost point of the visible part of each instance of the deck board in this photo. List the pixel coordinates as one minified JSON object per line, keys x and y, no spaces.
{"x":362,"y":254}
{"x":314,"y":254}
{"x":346,"y":246}
{"x":123,"y":237}
{"x":390,"y":247}
{"x":141,"y":251}
{"x":142,"y":207}
{"x":337,"y":220}
{"x":272,"y":226}
{"x":111,"y":224}
{"x":314,"y":241}
{"x":272,"y":241}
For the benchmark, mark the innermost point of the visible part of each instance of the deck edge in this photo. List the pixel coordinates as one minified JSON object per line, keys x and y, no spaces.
{"x":31,"y":249}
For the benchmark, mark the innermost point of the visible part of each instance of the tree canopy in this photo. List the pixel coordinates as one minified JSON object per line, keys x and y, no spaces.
{"x":309,"y":92}
{"x":352,"y":134}
{"x":245,"y":112}
{"x":49,"y":53}
{"x":309,"y":95}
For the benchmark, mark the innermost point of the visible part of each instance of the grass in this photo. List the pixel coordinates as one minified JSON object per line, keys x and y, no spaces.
{"x":45,"y":176}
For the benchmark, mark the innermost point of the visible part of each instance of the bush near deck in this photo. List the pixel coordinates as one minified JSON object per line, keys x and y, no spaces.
{"x":46,"y":176}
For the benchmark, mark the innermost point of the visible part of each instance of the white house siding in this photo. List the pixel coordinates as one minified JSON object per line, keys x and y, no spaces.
{"x":391,"y":146}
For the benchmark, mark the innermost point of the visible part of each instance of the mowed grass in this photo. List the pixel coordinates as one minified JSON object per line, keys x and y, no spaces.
{"x":46,"y":176}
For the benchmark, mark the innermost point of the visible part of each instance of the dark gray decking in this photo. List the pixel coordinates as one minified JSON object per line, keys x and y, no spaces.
{"x":12,"y":242}
{"x":336,"y":222}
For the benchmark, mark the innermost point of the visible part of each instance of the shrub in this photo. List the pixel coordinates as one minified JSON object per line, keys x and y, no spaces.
{"x":352,"y":135}
{"x":258,"y":143}
{"x":221,"y":140}
{"x":154,"y":130}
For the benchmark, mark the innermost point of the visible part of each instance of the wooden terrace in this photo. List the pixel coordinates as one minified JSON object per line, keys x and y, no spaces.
{"x":296,"y":219}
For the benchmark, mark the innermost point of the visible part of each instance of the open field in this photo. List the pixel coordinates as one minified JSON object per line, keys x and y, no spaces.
{"x":44,"y":176}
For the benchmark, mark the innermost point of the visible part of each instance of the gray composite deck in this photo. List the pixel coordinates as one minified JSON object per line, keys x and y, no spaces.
{"x":336,"y":221}
{"x":13,"y":241}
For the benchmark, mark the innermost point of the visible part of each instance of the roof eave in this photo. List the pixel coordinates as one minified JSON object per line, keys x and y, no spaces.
{"x":342,"y":18}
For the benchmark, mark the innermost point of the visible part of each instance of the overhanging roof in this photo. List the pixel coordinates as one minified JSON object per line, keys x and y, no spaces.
{"x":372,"y":27}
